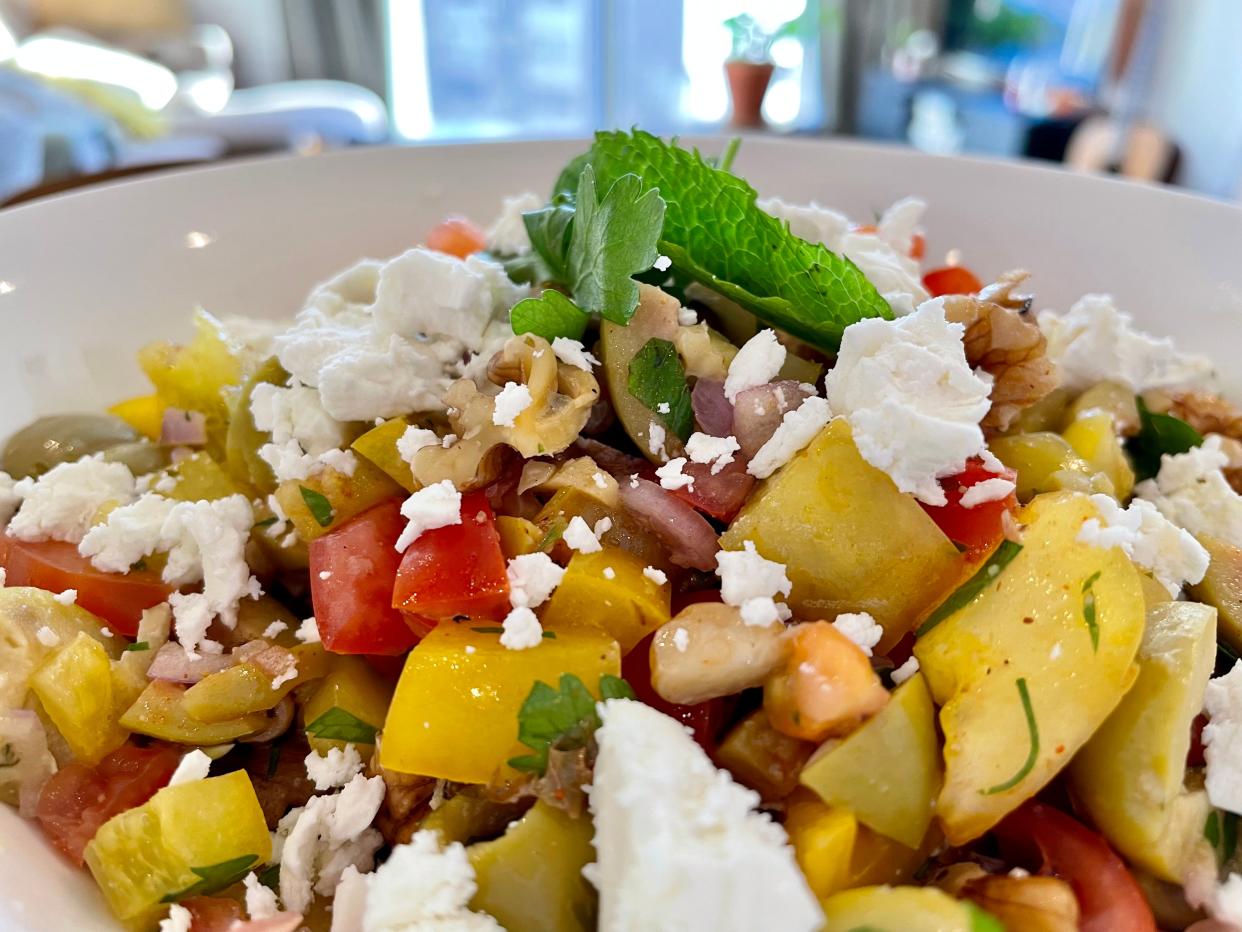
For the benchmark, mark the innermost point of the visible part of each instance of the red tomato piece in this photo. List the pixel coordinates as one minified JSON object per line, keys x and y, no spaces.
{"x":978,"y":529}
{"x":77,"y":799}
{"x":456,"y":570}
{"x":212,"y":913}
{"x":117,"y":598}
{"x":1108,"y":896}
{"x":705,"y":719}
{"x":918,"y":245}
{"x":352,"y":571}
{"x":952,"y":279}
{"x":456,"y":236}
{"x":719,"y":496}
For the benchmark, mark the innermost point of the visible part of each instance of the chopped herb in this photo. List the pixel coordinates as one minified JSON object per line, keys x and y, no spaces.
{"x":1221,"y":832}
{"x":337,"y":724}
{"x":320,"y":508}
{"x":550,"y":315}
{"x":214,"y":878}
{"x":658,"y":380}
{"x":555,"y":531}
{"x":967,"y":591}
{"x":549,"y":635}
{"x":1158,"y":434}
{"x":9,"y":757}
{"x":490,"y":629}
{"x":137,"y":646}
{"x":1088,"y":609}
{"x":266,"y":522}
{"x":138,"y":566}
{"x":981,"y":920}
{"x":1032,"y":728}
{"x":563,"y":718}
{"x":270,"y":877}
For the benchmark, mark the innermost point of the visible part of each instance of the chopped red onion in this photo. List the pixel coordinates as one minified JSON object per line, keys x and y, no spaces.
{"x":758,"y":411}
{"x":182,"y":428}
{"x":172,"y":664}
{"x":712,"y":410}
{"x":690,"y":539}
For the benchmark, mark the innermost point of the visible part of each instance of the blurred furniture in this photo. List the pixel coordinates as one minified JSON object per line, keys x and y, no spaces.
{"x":1137,"y":150}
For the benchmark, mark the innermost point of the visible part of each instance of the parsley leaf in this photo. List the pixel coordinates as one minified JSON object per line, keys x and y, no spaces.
{"x":1032,"y":728}
{"x":320,"y":508}
{"x":658,"y":380}
{"x":1158,"y":434}
{"x":564,"y":718}
{"x":548,"y":229}
{"x":964,"y":594}
{"x":716,"y":233}
{"x":612,"y":238}
{"x":550,"y":315}
{"x":337,"y":724}
{"x":214,"y":878}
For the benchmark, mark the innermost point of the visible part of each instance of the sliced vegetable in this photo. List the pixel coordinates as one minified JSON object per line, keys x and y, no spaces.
{"x":1222,"y":587}
{"x":704,"y":719}
{"x":62,"y":438}
{"x":83,"y":698}
{"x":624,"y":604}
{"x":1094,"y":437}
{"x":243,"y":439}
{"x":252,"y":685}
{"x":160,"y":712}
{"x":144,"y":413}
{"x":379,"y":446}
{"x":347,"y":705}
{"x":908,"y":909}
{"x":327,"y":499}
{"x":951,"y":279}
{"x":968,"y":591}
{"x":199,"y":476}
{"x":1045,"y":462}
{"x":456,"y":236}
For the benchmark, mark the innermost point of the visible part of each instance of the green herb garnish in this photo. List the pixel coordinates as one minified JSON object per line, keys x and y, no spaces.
{"x":1221,"y":832}
{"x":136,"y":646}
{"x":1158,"y":434}
{"x":563,"y":718}
{"x":1088,"y":609}
{"x":214,"y":878}
{"x":320,"y":508}
{"x":490,"y":629}
{"x":550,"y":315}
{"x":967,"y":591}
{"x":1032,"y":728}
{"x":658,"y":380}
{"x":337,"y":724}
{"x":270,"y":877}
{"x":266,"y":522}
{"x":555,"y":531}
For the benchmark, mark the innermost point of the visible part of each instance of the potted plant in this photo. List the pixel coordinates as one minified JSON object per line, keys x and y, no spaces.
{"x":749,"y":66}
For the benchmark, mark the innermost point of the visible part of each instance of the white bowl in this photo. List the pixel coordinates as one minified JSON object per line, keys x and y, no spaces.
{"x":85,"y":279}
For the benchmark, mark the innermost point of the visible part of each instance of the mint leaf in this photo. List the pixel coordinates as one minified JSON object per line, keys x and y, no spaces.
{"x":658,"y":380}
{"x":214,"y":878}
{"x":550,"y":315}
{"x":564,"y":718}
{"x":320,"y":508}
{"x":964,"y":594}
{"x":1158,"y":434}
{"x":715,"y":233}
{"x":337,"y":724}
{"x":611,"y":239}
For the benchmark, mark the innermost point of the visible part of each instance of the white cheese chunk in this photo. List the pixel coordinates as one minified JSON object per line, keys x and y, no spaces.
{"x":514,"y":398}
{"x":62,"y":503}
{"x":671,"y":476}
{"x":1222,"y":740}
{"x":194,"y":765}
{"x":751,"y":583}
{"x":905,"y":671}
{"x":796,"y":429}
{"x":260,"y":900}
{"x":756,"y":363}
{"x":860,"y":628}
{"x":434,"y":506}
{"x":573,"y":353}
{"x":579,"y":536}
{"x":1191,"y":491}
{"x":507,"y":235}
{"x":989,"y":490}
{"x":333,"y":769}
{"x":423,"y":886}
{"x":1172,"y":556}
{"x":705,"y":448}
{"x":179,"y":919}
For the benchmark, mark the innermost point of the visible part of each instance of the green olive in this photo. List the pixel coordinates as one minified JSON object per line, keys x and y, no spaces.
{"x":244,"y":439}
{"x":141,"y":456}
{"x":62,"y":438}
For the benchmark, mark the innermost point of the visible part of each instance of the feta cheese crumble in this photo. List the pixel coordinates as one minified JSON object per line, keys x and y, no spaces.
{"x":1191,"y":491}
{"x":655,"y":440}
{"x":678,"y":843}
{"x":413,"y":440}
{"x":334,"y":769}
{"x":911,"y":399}
{"x":671,"y":476}
{"x":424,"y":886}
{"x":260,"y":901}
{"x":756,"y":363}
{"x":532,"y":578}
{"x":305,"y":438}
{"x":179,"y":919}
{"x":521,"y":629}
{"x":905,"y":671}
{"x":989,"y":490}
{"x":47,"y":637}
{"x":68,"y":597}
{"x":751,"y":583}
{"x":513,"y":399}
{"x":579,"y":536}
{"x":308,"y":631}
{"x":434,"y":506}
{"x":573,"y":353}
{"x":193,"y":766}
{"x":796,"y":429}
{"x":659,"y":577}
{"x":860,"y":628}
{"x":62,"y":503}
{"x":1172,"y":556}
{"x":507,"y":235}
{"x":705,"y":448}
{"x":275,"y":628}
{"x":662,"y":264}
{"x":1222,"y":739}
{"x":1096,"y":342}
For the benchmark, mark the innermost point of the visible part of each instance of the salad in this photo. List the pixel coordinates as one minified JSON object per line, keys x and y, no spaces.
{"x":662,"y":558}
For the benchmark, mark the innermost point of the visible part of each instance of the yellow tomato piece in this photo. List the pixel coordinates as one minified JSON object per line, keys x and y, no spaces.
{"x":850,"y":541}
{"x":335,"y":496}
{"x":75,"y":686}
{"x":762,"y":758}
{"x":160,"y":712}
{"x":568,"y":503}
{"x":1094,"y":437}
{"x":350,"y":685}
{"x":1045,"y":462}
{"x":454,"y":715}
{"x":900,"y":909}
{"x":199,"y":477}
{"x":887,"y":772}
{"x":246,"y":687}
{"x":624,"y":604}
{"x":823,"y":839}
{"x":145,"y":414}
{"x":379,"y":446}
{"x":517,"y":536}
{"x":1028,"y":669}
{"x":193,"y":838}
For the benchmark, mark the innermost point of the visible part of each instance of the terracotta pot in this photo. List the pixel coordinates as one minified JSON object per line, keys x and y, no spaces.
{"x":748,"y":82}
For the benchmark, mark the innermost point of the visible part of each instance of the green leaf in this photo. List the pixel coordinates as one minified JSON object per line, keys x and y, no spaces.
{"x":266,"y":522}
{"x":337,"y":724}
{"x":214,"y":878}
{"x":1221,"y":832}
{"x":490,"y":629}
{"x":658,"y":380}
{"x":555,"y":531}
{"x":136,"y":646}
{"x":270,"y":877}
{"x":550,"y":315}
{"x":981,"y":920}
{"x":566,"y":188}
{"x":715,"y":233}
{"x":725,"y":162}
{"x":564,"y":718}
{"x":1158,"y":434}
{"x":549,"y":229}
{"x":320,"y":508}
{"x":1032,"y":728}
{"x":967,"y":591}
{"x":1088,"y":609}
{"x":611,"y":239}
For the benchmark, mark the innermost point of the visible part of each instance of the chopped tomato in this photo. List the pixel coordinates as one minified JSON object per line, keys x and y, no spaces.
{"x":705,"y":719}
{"x":212,"y":913}
{"x":456,"y":570}
{"x":918,"y":245}
{"x":719,"y":496}
{"x":352,"y":571}
{"x":78,"y":799}
{"x":951,"y":279}
{"x":1108,"y":896}
{"x":978,"y":529}
{"x":456,"y":236}
{"x":117,"y":598}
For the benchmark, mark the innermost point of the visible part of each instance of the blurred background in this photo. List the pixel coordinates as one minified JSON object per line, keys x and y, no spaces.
{"x":96,"y":89}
